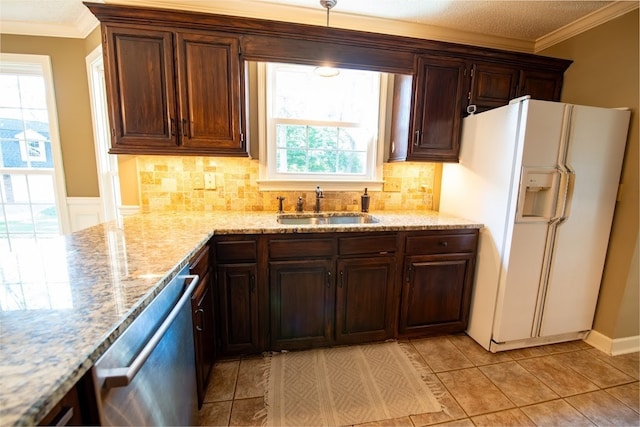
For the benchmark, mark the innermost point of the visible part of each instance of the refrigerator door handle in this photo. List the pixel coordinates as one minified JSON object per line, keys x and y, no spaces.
{"x":567,"y":177}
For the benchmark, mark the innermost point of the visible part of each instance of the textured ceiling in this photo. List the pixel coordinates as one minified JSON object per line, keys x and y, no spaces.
{"x":523,"y":22}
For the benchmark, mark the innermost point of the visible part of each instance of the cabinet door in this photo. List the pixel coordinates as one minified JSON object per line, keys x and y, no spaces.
{"x":546,"y":86}
{"x":140,"y":87}
{"x":492,"y":85}
{"x":204,"y":335}
{"x":436,"y":294}
{"x":238,"y":306}
{"x":209,"y":80}
{"x":364,"y":299}
{"x":302,"y":303}
{"x":438,"y":109}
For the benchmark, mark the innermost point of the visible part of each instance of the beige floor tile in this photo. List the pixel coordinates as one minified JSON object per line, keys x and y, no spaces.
{"x":215,"y":414}
{"x":416,"y":358}
{"x":627,"y":363}
{"x":629,"y":394}
{"x":527,"y":353}
{"x":512,"y":417}
{"x":518,"y":384}
{"x":595,"y":370}
{"x":395,"y":422}
{"x":451,"y":410}
{"x":474,"y":392}
{"x":564,"y":347}
{"x":250,"y":378}
{"x":247,"y":412}
{"x":556,"y":376}
{"x":222,"y":383}
{"x":556,"y":413}
{"x":441,"y":355}
{"x":476,"y":353}
{"x":604,"y":410}
{"x":465,"y":422}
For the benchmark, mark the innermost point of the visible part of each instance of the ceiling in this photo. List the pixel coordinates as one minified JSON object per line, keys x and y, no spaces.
{"x":516,"y":25}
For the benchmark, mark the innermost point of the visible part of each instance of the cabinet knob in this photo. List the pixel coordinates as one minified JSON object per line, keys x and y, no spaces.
{"x":444,"y":243}
{"x":416,"y":138}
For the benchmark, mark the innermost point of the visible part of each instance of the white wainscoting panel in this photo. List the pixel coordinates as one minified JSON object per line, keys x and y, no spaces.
{"x":84,"y":212}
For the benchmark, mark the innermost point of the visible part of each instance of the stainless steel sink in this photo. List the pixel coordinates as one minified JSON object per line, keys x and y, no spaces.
{"x":326,"y":218}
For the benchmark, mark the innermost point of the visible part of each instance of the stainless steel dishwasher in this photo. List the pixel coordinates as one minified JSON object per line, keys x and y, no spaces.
{"x":147,"y":376}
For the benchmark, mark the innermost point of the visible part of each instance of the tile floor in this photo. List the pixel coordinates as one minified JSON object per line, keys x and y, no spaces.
{"x":568,"y":384}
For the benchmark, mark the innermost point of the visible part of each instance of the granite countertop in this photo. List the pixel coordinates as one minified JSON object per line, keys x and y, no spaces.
{"x":64,"y":300}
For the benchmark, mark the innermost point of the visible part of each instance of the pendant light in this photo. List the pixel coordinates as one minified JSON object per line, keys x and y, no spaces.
{"x":327,"y":71}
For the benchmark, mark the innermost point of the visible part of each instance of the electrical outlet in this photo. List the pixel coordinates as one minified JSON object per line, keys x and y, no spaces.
{"x":209,"y":181}
{"x":198,"y":182}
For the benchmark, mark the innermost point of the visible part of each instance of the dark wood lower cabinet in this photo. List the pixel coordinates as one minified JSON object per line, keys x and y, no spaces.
{"x":77,"y":408}
{"x":365,"y":299}
{"x":435,"y":294}
{"x":302,"y":295}
{"x":238,"y":307}
{"x":301,"y":291}
{"x":204,"y":334}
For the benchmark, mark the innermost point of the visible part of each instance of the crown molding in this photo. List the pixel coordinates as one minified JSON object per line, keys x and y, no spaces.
{"x":586,"y":23}
{"x":303,"y":15}
{"x":80,"y":29}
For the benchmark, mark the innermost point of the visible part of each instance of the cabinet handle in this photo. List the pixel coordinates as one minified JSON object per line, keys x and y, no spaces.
{"x":416,"y":138}
{"x":172,"y":126}
{"x":409,"y":273}
{"x":341,"y":279}
{"x":444,"y":243}
{"x":200,"y":320}
{"x":253,"y":283}
{"x":185,"y":128}
{"x":328,"y":279}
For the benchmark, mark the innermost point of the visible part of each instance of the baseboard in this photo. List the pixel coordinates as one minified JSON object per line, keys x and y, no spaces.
{"x":613,"y":346}
{"x":126,"y":210}
{"x":84,"y":212}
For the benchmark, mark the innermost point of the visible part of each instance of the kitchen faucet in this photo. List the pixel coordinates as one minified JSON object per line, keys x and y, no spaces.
{"x":319,"y":196}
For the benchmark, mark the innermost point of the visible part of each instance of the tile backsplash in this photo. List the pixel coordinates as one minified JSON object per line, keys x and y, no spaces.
{"x":170,"y":183}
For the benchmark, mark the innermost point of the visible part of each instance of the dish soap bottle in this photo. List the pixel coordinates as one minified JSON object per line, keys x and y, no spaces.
{"x":364,"y":201}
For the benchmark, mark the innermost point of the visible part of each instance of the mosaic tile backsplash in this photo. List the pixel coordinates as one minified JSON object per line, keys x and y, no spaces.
{"x":177,"y":184}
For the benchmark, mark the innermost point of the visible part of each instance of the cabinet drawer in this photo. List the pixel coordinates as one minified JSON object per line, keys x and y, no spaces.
{"x":199,"y":264}
{"x":443,"y":243}
{"x":236,"y":250}
{"x":301,"y":248}
{"x":366,"y":245}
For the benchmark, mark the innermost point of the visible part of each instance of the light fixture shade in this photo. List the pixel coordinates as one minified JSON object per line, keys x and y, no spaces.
{"x":324,"y":71}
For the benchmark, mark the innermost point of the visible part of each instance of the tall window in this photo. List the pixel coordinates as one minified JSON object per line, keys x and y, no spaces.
{"x":29,"y":186}
{"x":320,"y":129}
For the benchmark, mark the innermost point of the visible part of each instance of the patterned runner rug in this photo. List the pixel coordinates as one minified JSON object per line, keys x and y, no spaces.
{"x":344,"y":385}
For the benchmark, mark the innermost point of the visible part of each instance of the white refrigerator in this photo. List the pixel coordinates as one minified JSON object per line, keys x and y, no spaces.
{"x":543,"y":179}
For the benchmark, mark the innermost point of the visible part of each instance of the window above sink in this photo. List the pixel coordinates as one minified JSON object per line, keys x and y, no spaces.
{"x":313,"y":131}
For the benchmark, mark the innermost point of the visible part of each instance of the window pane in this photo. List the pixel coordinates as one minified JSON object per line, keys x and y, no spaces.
{"x":10,"y":92}
{"x":19,"y":218}
{"x":32,"y":92}
{"x":291,"y":136}
{"x":289,"y":161}
{"x":41,"y":188}
{"x":45,"y":218}
{"x":352,"y":162}
{"x":14,"y":189}
{"x":323,"y":137}
{"x":322,"y":161}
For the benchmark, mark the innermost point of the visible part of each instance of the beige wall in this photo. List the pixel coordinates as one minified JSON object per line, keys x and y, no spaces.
{"x":605,"y":73}
{"x":72,"y":99}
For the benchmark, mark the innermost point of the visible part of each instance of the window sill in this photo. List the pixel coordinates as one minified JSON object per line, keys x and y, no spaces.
{"x":307,"y":185}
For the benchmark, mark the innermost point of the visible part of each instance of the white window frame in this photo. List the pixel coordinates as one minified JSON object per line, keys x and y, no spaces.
{"x":267,"y":180}
{"x":54,"y":131}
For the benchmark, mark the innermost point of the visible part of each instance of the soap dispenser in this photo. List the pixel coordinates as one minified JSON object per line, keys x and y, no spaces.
{"x":364,"y":201}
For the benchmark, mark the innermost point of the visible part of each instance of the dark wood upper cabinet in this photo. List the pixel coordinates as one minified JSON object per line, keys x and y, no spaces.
{"x":492,"y":85}
{"x":437,"y":109}
{"x":141,"y":91}
{"x":175,"y":79}
{"x":210,"y":92}
{"x":544,"y":85}
{"x":186,"y":100}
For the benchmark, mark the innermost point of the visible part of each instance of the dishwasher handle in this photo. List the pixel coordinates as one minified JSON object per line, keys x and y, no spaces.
{"x":121,"y":377}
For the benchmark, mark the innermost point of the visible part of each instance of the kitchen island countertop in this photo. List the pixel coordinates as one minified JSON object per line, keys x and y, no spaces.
{"x":64,"y":300}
